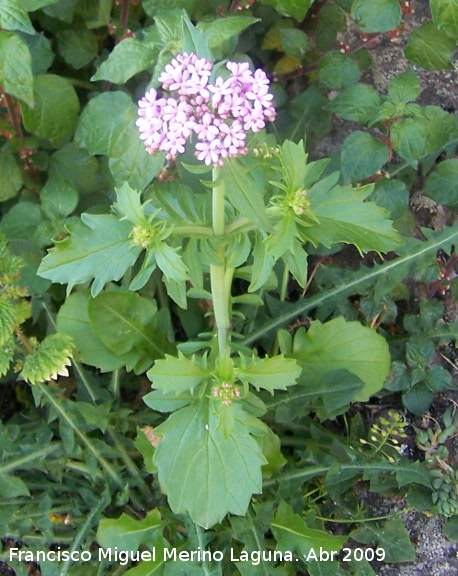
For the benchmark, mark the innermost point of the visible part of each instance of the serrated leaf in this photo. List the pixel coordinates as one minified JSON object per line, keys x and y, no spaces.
{"x":124,"y":320}
{"x":98,"y":249}
{"x":16,"y":67}
{"x":337,"y":70}
{"x":404,"y":88}
{"x":6,"y":353}
{"x":13,"y":16}
{"x":292,"y":533}
{"x":127,"y":533}
{"x":361,"y":156}
{"x":270,"y":373}
{"x":295,"y":8}
{"x":176,"y":374}
{"x":442,"y":183}
{"x":358,"y":103}
{"x":409,"y":139}
{"x":392,"y":537}
{"x":204,"y":470}
{"x":244,"y":193}
{"x":11,"y":180}
{"x":56,"y":108}
{"x":429,"y":48}
{"x":49,"y":359}
{"x":341,"y":345}
{"x":376,"y":15}
{"x":445,"y":16}
{"x":128,"y":58}
{"x":7,"y":320}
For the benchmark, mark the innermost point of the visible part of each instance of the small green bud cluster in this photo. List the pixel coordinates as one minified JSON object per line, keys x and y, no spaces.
{"x":300,"y":202}
{"x":265,"y":152}
{"x":143,"y":235}
{"x":226,"y":392}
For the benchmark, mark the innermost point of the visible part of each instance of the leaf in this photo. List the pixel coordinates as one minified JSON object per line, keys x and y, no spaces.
{"x":337,"y":70}
{"x":73,"y":319}
{"x":309,"y":115}
{"x":7,"y":320}
{"x":429,"y":48}
{"x":102,"y":116}
{"x":125,"y":320}
{"x":362,"y":155}
{"x":392,"y":537}
{"x":98,"y":249}
{"x":244,"y":193}
{"x":11,"y":180}
{"x":294,"y":42}
{"x":204,"y":470}
{"x":126,"y":533}
{"x":358,"y":103}
{"x":58,"y":198}
{"x":16,"y":67}
{"x":77,"y":167}
{"x":176,"y":374}
{"x":128,"y":58}
{"x":376,"y":15}
{"x":445,"y":16}
{"x":219,"y":31}
{"x":14,"y":17}
{"x":40,"y":50}
{"x":7,"y":350}
{"x":171,"y":263}
{"x":295,"y":8}
{"x":442,"y":183}
{"x":56,"y":108}
{"x":404,"y":88}
{"x":78,"y":47}
{"x":270,"y":373}
{"x":408,"y":139}
{"x":341,"y":345}
{"x":292,"y":533}
{"x":49,"y":359}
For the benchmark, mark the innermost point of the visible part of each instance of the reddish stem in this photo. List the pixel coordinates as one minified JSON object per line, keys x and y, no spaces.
{"x":15,"y":121}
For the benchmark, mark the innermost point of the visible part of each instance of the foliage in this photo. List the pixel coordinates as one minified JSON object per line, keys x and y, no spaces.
{"x":223,"y":281}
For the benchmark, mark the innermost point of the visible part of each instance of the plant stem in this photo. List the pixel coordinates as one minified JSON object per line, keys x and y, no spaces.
{"x":220,"y":276}
{"x":14,"y":118}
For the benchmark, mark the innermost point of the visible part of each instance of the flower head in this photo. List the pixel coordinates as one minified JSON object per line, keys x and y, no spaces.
{"x":219,"y":114}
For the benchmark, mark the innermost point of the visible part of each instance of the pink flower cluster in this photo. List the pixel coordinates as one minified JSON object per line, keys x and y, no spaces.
{"x":219,"y":114}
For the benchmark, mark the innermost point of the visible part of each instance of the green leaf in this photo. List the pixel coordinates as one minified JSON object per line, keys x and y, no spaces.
{"x":442,"y":183}
{"x":418,"y":399}
{"x":358,"y":103}
{"x":40,"y":50}
{"x":270,"y":373}
{"x":376,"y":15}
{"x":58,"y":198}
{"x":244,"y":193}
{"x":404,"y":88}
{"x":392,"y":537}
{"x":124,"y":320}
{"x":219,"y":31}
{"x":77,"y":167}
{"x":337,"y":70}
{"x":429,"y":48}
{"x":129,"y":205}
{"x":295,"y":8}
{"x":98,"y":249}
{"x":102,"y":116}
{"x":344,"y":216}
{"x":16,"y":67}
{"x":445,"y":16}
{"x":362,"y":155}
{"x":73,"y":319}
{"x":309,"y":115}
{"x":78,"y":47}
{"x":128,"y":58}
{"x":14,"y":17}
{"x":56,"y":109}
{"x":341,"y":345}
{"x":292,"y":533}
{"x":171,"y":263}
{"x":409,"y":139}
{"x":205,"y":470}
{"x":50,"y":359}
{"x":126,"y":533}
{"x":11,"y":180}
{"x":7,"y":320}
{"x":295,"y":42}
{"x":7,"y":350}
{"x":194,"y":40}
{"x":176,"y":374}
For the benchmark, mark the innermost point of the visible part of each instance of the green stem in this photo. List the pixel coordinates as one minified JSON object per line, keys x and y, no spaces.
{"x":220,"y":276}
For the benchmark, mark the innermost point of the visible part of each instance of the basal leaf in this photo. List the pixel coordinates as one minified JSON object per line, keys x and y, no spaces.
{"x":98,"y":249}
{"x":128,"y":58}
{"x":430,"y":48}
{"x":204,"y":470}
{"x":445,"y":16}
{"x":392,"y":537}
{"x":376,"y":15}
{"x":176,"y":374}
{"x":16,"y":67}
{"x":292,"y":533}
{"x":270,"y":373}
{"x":337,"y":345}
{"x":127,"y":533}
{"x":56,"y":108}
